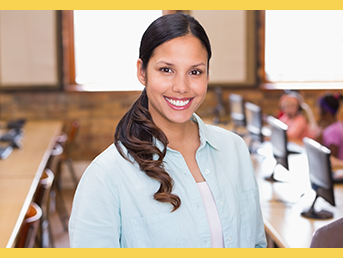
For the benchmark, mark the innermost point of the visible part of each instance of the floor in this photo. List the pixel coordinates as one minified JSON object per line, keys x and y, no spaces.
{"x":61,"y":237}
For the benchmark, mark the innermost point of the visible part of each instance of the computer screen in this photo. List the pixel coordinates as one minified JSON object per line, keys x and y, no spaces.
{"x":320,"y":173}
{"x":279,"y":140}
{"x":237,"y":110}
{"x":219,"y":110}
{"x":254,"y":121}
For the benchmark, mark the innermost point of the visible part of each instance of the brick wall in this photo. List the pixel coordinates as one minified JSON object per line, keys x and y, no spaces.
{"x":99,"y":112}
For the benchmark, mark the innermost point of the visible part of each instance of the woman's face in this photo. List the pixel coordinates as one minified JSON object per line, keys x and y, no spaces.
{"x":290,"y":106}
{"x":175,"y":79}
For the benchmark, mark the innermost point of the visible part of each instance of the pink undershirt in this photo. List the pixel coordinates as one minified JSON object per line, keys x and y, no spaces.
{"x":216,"y":232}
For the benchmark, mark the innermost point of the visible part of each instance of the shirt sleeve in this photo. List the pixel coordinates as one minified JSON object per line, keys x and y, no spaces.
{"x":95,"y":220}
{"x":261,"y":241}
{"x":331,"y":136}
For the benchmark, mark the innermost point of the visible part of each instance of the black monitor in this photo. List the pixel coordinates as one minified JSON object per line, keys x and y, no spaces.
{"x":281,"y":147}
{"x":219,"y":110}
{"x":254,"y":124}
{"x":237,"y":111}
{"x":320,"y":172}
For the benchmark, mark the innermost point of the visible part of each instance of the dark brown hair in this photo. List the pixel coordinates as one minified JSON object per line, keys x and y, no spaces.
{"x":330,"y":103}
{"x":136,"y":131}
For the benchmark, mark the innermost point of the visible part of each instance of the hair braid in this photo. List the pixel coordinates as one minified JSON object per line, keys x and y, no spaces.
{"x":136,"y":131}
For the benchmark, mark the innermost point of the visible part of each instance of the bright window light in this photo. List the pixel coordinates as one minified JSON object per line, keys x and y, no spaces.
{"x":304,"y":46}
{"x":107,"y":47}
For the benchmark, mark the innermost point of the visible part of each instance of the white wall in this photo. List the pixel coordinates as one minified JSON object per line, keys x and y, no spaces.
{"x":227,"y":30}
{"x":28,"y":48}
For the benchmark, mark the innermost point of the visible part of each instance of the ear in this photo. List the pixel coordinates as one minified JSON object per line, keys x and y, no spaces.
{"x":140,"y":72}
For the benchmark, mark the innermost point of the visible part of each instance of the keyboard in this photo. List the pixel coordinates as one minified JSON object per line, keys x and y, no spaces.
{"x":5,"y":151}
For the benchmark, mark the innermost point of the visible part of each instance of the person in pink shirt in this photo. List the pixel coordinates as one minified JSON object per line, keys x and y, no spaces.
{"x":331,"y":135}
{"x":292,"y":116}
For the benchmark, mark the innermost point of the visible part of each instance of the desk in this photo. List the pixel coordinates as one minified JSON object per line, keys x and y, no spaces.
{"x":282,"y":203}
{"x":20,"y":174}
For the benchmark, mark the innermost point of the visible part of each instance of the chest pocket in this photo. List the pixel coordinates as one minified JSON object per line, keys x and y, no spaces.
{"x":157,"y":231}
{"x":248,"y":202}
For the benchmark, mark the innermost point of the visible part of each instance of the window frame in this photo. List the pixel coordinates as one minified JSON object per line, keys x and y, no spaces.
{"x":264,"y":83}
{"x":69,"y":50}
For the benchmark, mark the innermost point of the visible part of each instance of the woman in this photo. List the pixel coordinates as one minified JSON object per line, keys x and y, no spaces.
{"x":169,"y":180}
{"x":291,"y":106}
{"x":331,"y":134}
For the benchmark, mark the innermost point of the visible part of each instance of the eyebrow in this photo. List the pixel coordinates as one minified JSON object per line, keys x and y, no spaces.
{"x":170,"y":64}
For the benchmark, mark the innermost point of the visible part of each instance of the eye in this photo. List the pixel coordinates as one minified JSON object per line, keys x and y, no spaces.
{"x":165,"y":70}
{"x":196,"y":72}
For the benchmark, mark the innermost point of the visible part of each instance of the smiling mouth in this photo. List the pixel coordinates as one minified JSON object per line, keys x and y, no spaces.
{"x":178,"y":103}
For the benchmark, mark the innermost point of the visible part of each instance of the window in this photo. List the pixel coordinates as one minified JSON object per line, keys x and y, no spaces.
{"x":303,"y":46}
{"x":106,"y":44}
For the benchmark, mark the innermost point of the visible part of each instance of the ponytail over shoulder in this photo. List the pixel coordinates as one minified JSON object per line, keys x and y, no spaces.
{"x":137,"y":131}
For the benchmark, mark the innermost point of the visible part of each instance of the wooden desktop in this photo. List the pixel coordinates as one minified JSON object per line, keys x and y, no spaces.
{"x":20,"y":173}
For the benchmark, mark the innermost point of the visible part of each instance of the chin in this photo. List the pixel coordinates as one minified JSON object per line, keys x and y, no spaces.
{"x":180,"y":119}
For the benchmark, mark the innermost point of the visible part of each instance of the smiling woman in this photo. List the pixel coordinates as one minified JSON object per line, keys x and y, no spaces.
{"x":176,"y":80}
{"x":169,"y":180}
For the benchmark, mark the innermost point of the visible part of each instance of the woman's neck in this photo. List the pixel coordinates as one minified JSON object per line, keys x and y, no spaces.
{"x":329,"y":120}
{"x":181,"y":135}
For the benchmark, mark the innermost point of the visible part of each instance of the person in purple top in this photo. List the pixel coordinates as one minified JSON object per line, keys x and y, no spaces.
{"x":331,"y":135}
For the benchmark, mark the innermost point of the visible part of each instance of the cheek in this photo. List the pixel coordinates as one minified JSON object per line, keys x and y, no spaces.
{"x":201,"y":90}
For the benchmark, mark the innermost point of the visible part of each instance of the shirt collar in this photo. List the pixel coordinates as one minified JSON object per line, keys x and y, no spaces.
{"x":205,"y":135}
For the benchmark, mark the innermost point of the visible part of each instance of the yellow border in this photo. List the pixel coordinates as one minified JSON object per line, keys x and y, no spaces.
{"x":171,"y":5}
{"x":170,"y":253}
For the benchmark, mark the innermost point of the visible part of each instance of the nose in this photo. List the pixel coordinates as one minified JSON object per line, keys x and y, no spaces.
{"x":181,"y":84}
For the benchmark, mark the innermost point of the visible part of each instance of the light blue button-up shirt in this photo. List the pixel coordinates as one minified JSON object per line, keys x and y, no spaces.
{"x":114,"y":205}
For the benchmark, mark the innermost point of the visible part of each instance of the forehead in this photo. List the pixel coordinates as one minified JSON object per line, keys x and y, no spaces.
{"x":290,"y":100}
{"x":184,"y":46}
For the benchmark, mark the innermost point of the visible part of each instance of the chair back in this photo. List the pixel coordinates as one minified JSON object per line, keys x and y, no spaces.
{"x":329,"y":236}
{"x":70,"y":142}
{"x":28,"y":231}
{"x":44,"y":187}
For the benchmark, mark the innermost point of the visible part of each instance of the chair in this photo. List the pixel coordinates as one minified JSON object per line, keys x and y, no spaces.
{"x":329,"y":236}
{"x":68,"y":145}
{"x":42,"y":198}
{"x":62,"y":154}
{"x":28,"y":231}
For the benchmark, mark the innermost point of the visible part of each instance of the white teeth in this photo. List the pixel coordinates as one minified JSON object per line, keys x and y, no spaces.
{"x":178,"y":103}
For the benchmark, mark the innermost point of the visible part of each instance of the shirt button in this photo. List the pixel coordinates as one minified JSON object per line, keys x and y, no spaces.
{"x":229,"y":239}
{"x":207,"y":171}
{"x":221,"y":203}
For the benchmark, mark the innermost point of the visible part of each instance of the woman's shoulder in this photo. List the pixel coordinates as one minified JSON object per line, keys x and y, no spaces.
{"x":216,"y":132}
{"x":111,"y":160}
{"x":336,"y":127}
{"x":301,"y":118}
{"x":224,"y":138}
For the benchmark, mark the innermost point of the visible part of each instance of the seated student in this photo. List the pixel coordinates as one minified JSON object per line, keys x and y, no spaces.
{"x":331,"y":134}
{"x":292,"y":116}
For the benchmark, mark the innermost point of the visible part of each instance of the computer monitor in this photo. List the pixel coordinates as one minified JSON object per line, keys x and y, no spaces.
{"x":318,"y":157}
{"x":237,"y":111}
{"x":279,"y":141}
{"x":254,"y":124}
{"x":281,"y":147}
{"x":219,"y":110}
